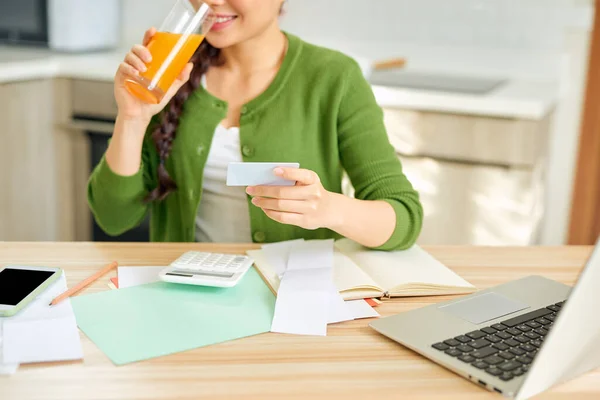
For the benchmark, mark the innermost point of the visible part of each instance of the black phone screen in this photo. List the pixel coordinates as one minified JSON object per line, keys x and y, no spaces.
{"x":16,"y":284}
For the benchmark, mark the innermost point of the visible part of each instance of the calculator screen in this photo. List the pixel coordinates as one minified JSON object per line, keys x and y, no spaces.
{"x":189,"y":274}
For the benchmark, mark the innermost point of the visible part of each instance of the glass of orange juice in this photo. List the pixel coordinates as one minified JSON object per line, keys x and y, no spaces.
{"x":171,"y":48}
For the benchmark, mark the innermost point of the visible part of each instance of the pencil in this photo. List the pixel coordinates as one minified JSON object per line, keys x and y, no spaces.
{"x":84,"y":283}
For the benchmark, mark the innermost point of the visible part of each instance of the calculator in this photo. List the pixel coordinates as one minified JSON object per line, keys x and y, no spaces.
{"x":207,"y":269}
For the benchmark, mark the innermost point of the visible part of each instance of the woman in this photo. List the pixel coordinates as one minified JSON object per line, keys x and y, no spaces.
{"x":254,"y":93}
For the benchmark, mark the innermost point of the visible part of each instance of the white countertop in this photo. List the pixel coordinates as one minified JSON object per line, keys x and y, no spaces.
{"x":516,"y":98}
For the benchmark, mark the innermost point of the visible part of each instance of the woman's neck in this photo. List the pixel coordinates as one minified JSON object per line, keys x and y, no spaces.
{"x":259,"y":53}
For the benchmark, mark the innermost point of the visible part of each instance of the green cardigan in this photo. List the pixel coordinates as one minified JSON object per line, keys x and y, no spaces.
{"x":319,"y":111}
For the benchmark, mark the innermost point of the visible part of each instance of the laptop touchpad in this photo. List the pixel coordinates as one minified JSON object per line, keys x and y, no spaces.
{"x":485,"y":307}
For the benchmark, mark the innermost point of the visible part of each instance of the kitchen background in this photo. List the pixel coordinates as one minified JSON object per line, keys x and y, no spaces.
{"x":485,"y":114}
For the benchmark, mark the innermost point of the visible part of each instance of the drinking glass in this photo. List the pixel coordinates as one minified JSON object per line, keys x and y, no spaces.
{"x":171,"y":48}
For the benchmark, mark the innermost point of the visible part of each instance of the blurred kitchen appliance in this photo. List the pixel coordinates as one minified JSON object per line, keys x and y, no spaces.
{"x":63,"y":25}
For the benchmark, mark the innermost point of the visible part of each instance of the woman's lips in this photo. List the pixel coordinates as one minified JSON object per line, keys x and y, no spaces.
{"x":221,"y":22}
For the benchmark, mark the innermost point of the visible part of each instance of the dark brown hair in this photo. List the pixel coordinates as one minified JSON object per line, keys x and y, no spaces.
{"x":165,"y":132}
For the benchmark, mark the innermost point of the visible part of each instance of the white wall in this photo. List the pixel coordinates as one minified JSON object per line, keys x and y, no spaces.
{"x":139,"y":15}
{"x":488,"y":24}
{"x":500,"y":24}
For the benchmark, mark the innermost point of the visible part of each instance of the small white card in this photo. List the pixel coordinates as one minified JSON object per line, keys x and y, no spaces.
{"x":135,"y":276}
{"x":257,"y":174}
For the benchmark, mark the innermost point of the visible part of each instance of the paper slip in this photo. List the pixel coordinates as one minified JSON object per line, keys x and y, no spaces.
{"x":338,"y":310}
{"x":306,"y":289}
{"x":135,"y":276}
{"x":41,"y":333}
{"x":311,"y":254}
{"x":361,"y":309}
{"x":278,"y":254}
{"x":8,"y":369}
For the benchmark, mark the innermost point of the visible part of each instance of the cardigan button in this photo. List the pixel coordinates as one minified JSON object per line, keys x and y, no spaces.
{"x":259,"y":236}
{"x":247,"y":151}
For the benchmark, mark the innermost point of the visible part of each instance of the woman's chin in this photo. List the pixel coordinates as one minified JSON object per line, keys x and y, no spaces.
{"x":219,"y":41}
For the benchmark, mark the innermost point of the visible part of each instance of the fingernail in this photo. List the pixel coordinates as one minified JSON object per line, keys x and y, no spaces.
{"x":255,"y":201}
{"x":278,"y":171}
{"x":249,"y":190}
{"x":144,"y":68}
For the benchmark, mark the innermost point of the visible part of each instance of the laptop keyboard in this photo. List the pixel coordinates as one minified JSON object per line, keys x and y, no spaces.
{"x":505,"y":350}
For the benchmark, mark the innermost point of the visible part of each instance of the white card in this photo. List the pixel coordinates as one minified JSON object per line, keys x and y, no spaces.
{"x":134,"y":276}
{"x":257,"y":173}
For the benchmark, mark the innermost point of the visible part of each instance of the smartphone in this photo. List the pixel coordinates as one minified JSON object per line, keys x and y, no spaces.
{"x":19,"y":285}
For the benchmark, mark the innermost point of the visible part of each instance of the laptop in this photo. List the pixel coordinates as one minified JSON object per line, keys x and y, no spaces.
{"x":518,"y":338}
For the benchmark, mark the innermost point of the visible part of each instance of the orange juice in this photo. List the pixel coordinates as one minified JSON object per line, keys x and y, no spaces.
{"x":166,"y":65}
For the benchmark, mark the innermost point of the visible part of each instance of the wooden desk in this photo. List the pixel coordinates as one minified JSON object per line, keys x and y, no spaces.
{"x":352,"y":362}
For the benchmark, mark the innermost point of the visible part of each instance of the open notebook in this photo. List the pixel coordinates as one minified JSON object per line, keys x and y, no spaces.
{"x":361,"y":273}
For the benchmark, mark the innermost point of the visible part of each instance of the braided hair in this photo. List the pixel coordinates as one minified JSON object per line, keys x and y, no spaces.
{"x":163,"y":135}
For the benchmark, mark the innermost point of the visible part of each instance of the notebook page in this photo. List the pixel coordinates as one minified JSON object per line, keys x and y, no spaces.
{"x":412,"y":267}
{"x":346,"y":274}
{"x":266,"y":270}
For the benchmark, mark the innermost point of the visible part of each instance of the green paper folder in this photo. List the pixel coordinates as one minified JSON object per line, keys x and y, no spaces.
{"x":161,"y":318}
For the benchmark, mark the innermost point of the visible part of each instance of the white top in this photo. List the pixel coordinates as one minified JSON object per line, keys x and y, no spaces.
{"x":223,"y":215}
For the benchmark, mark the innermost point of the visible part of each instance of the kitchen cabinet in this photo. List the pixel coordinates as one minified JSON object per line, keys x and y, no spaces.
{"x":36,"y":161}
{"x":93,"y":112}
{"x":481,"y":179}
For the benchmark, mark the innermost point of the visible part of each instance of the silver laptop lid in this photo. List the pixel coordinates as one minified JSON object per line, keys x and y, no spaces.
{"x":573,"y":345}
